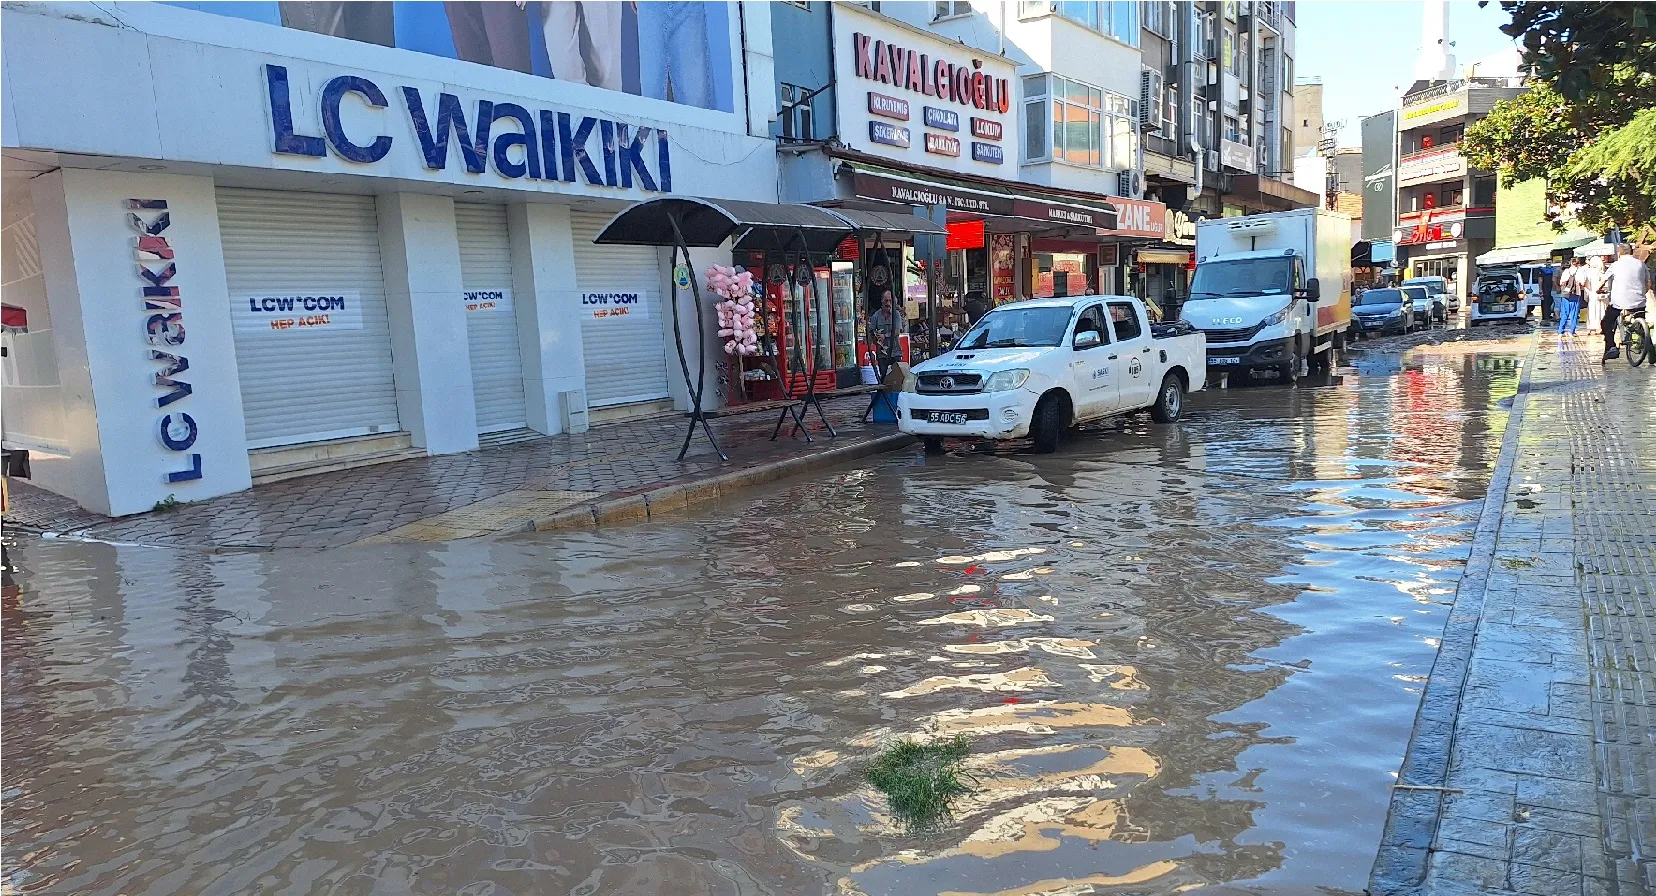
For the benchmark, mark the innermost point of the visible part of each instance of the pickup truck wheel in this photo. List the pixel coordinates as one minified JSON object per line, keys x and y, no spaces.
{"x":1169,"y":401}
{"x":1046,"y":426}
{"x":934,"y":444}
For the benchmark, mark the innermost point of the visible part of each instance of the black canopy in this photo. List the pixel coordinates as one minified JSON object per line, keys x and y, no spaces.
{"x":707,"y":223}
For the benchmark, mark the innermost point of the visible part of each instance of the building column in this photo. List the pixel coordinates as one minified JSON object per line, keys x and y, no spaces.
{"x":549,"y":330}
{"x":134,"y":278}
{"x":701,"y":333}
{"x":431,"y":357}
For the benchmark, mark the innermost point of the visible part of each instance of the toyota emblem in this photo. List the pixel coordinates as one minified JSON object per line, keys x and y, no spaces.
{"x":947,"y":382}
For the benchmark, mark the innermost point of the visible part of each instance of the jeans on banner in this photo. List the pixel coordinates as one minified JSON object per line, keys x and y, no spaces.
{"x":672,"y":53}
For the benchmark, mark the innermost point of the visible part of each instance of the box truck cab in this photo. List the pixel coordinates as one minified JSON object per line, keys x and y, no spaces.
{"x":1272,"y":290}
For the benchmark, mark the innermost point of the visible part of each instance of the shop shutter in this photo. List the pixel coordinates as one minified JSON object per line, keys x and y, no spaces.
{"x":491,"y":324}
{"x":626,"y":355}
{"x":309,"y":384}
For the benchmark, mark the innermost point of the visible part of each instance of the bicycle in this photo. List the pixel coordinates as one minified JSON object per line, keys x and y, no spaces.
{"x":1633,"y":333}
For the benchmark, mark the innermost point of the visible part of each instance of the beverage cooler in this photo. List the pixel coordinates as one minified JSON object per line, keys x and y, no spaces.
{"x":806,"y":321}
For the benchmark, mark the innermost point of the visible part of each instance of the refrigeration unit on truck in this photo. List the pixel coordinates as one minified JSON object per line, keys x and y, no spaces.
{"x":1272,"y":290}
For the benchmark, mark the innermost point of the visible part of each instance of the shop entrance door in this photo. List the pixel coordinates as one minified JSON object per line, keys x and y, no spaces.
{"x":491,"y":319}
{"x":307,"y":300}
{"x":626,"y":353}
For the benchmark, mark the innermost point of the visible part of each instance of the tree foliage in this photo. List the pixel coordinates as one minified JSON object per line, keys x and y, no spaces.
{"x":1587,"y":123}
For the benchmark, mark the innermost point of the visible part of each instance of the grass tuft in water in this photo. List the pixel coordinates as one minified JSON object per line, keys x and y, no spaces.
{"x":922,"y":781}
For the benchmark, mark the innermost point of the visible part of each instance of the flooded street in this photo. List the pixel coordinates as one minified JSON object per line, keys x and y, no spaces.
{"x":1185,"y":657}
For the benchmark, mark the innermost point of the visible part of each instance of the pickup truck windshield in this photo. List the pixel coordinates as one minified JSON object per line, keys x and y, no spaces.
{"x":1018,"y":327}
{"x":1244,"y":277}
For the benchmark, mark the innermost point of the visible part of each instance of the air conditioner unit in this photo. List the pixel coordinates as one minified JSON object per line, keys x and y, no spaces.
{"x":1152,"y":98}
{"x":1128,"y":184}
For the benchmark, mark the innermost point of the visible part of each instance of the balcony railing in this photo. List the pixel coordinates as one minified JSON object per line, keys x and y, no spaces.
{"x":1442,"y":148}
{"x":1445,"y":211}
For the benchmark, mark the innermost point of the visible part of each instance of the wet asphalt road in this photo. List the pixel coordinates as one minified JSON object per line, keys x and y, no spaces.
{"x":1186,"y":657}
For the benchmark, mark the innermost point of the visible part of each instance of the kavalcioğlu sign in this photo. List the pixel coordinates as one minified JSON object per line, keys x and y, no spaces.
{"x":545,"y":145}
{"x":913,"y":70}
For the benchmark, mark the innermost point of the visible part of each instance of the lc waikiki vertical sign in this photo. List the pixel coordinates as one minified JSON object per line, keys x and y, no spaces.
{"x":164,"y":326}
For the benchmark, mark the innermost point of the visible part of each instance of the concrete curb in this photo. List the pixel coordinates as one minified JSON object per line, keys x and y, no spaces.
{"x":679,"y":496}
{"x":1412,"y":820}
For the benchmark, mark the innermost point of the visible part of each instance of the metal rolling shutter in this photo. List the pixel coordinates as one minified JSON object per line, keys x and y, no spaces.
{"x":626,"y":357}
{"x":309,"y":385}
{"x":496,"y":362}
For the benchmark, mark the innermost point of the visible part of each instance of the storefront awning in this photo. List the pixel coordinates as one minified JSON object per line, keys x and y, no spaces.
{"x":1573,"y":239}
{"x":891,"y":185}
{"x":708,"y":223}
{"x":1516,"y":254}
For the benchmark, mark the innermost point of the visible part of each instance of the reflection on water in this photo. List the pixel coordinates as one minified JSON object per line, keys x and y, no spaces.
{"x":1185,"y":656}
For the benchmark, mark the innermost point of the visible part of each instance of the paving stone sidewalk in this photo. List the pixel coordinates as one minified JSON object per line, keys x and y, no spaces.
{"x":612,"y":473}
{"x":1536,"y":740}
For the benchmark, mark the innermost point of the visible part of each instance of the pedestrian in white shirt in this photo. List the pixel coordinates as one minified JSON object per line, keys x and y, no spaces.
{"x":1592,"y":292}
{"x":1629,"y":281}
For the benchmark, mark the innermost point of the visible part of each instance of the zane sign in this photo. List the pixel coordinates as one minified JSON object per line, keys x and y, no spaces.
{"x":546,"y":145}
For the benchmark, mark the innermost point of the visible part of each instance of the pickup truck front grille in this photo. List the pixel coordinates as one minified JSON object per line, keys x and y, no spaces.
{"x":949,"y":383}
{"x":1239,"y":335}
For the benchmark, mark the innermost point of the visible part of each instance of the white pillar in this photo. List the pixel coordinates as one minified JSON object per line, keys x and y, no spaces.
{"x":701,"y":334}
{"x":549,"y":328}
{"x":430,"y":354}
{"x":131,"y":441}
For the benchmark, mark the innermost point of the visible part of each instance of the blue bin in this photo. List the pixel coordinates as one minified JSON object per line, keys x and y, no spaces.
{"x":883,"y":407}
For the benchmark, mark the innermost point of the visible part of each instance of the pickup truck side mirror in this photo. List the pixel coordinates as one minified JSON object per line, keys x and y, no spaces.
{"x":1312,"y":291}
{"x":1087,"y":339}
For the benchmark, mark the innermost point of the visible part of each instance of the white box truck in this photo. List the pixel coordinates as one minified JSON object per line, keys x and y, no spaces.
{"x":1272,"y":290}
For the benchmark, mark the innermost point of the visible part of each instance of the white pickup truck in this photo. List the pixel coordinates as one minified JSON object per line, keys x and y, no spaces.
{"x":1038,"y":367}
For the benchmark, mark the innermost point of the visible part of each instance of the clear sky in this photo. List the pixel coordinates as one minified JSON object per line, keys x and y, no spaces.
{"x":1365,"y":51}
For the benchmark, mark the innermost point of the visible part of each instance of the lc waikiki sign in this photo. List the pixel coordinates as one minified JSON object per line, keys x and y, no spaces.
{"x":550,"y":145}
{"x":164,"y":326}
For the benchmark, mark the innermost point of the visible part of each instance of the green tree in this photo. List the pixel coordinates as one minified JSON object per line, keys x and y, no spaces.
{"x":1586,"y":124}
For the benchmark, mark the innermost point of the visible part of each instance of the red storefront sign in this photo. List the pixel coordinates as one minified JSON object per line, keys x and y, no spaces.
{"x":965,"y":235}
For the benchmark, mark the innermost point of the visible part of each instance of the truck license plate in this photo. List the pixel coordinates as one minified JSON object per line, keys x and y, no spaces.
{"x":954,"y":417}
{"x":1223,"y":360}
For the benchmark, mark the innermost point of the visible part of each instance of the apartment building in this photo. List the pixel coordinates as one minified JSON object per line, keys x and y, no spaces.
{"x":1445,"y":208}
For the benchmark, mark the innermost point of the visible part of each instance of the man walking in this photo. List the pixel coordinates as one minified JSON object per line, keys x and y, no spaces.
{"x":1629,"y":281}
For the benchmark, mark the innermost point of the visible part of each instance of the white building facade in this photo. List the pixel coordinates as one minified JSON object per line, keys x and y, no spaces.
{"x":236,"y":249}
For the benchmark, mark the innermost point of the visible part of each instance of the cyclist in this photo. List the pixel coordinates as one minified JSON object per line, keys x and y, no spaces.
{"x":1629,"y":281}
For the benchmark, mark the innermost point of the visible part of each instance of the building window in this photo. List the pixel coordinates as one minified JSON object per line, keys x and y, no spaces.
{"x":1170,"y":111}
{"x":1287,"y":148}
{"x":802,"y":4}
{"x":796,"y":114}
{"x":1244,"y":54}
{"x":1118,"y":19}
{"x":949,"y":10}
{"x":1090,"y":127}
{"x":1233,"y":130}
{"x":1227,"y":49}
{"x":1287,"y":74}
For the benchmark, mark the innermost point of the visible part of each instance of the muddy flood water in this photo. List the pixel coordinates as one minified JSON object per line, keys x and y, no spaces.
{"x":1185,"y":658}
